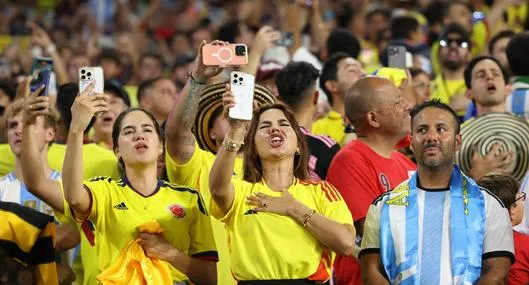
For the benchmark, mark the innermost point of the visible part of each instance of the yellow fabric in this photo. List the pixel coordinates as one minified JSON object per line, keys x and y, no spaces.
{"x":117,"y":210}
{"x":7,"y":160}
{"x":479,"y":39}
{"x":195,"y":174}
{"x":444,"y":90}
{"x":133,"y":267}
{"x":396,"y":75}
{"x":283,"y":248}
{"x":332,"y":125}
{"x":132,"y":90}
{"x":516,"y":15}
{"x":30,"y":237}
{"x":368,"y":56}
{"x":85,"y":264}
{"x":98,"y":161}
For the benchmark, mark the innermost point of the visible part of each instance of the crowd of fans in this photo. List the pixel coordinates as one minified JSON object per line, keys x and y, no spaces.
{"x":352,"y":170}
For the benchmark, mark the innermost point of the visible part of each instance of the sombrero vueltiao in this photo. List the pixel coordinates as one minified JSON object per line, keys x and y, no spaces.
{"x":211,"y":101}
{"x":510,"y":131}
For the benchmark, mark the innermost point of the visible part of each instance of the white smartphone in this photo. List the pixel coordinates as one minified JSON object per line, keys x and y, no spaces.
{"x":242,"y":88}
{"x":88,"y":74}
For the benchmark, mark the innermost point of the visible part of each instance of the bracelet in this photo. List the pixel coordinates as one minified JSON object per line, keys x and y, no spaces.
{"x":307,"y":217}
{"x":230,"y":145}
{"x":190,"y":75}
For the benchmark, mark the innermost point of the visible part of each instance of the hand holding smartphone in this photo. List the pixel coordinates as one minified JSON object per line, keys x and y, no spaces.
{"x":242,"y":88}
{"x":88,"y":75}
{"x":231,"y":54}
{"x":41,"y":72}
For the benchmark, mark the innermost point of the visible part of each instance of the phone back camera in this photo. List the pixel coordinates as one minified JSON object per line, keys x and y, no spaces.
{"x":89,"y":74}
{"x":83,"y":77}
{"x":393,"y":51}
{"x":240,"y":50}
{"x":235,"y":81}
{"x":83,"y":71}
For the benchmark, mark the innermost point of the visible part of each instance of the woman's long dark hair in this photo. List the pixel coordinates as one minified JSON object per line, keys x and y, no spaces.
{"x":116,"y":129}
{"x":253,"y":168}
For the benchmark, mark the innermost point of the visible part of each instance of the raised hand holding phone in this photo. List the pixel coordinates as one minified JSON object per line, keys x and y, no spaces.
{"x":85,"y":106}
{"x":202,"y":71}
{"x":88,"y":75}
{"x":224,"y":55}
{"x":242,"y":88}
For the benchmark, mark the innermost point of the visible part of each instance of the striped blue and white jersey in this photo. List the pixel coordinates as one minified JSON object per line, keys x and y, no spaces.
{"x":12,"y":190}
{"x":434,"y":210}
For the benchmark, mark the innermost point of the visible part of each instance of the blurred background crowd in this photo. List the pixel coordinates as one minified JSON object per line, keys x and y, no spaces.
{"x":470,"y":55}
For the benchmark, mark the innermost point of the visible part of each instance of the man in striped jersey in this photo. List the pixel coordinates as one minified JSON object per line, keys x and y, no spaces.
{"x":12,"y":186}
{"x":438,"y":227}
{"x":31,"y":113}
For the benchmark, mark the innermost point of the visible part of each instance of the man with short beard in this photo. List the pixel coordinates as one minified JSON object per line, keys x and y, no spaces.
{"x":438,"y":227}
{"x":454,"y":54}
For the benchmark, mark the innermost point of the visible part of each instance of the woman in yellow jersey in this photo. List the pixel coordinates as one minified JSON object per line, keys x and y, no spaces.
{"x":118,"y":208}
{"x":283,"y":229}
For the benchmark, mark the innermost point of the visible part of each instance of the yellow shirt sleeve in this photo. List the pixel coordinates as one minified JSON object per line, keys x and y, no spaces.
{"x":189,"y":173}
{"x":99,"y":188}
{"x":240,"y":188}
{"x":332,"y":205}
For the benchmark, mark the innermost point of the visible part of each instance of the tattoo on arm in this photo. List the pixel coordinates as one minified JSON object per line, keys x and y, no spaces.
{"x":191,"y":105}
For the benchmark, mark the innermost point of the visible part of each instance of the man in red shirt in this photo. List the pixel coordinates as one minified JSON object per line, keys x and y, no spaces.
{"x":369,"y":166}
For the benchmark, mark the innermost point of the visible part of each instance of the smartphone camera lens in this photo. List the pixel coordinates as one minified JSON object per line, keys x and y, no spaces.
{"x":241,"y":79}
{"x":83,"y":77}
{"x":235,"y":75}
{"x":83,"y":71}
{"x":240,"y":50}
{"x":89,"y":74}
{"x":234,"y":81}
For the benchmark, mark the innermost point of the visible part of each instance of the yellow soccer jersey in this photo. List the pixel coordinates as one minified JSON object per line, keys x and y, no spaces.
{"x":269,"y":246}
{"x":444,"y":90}
{"x":195,"y":174}
{"x":117,"y":210}
{"x":332,"y":125}
{"x":97,"y":161}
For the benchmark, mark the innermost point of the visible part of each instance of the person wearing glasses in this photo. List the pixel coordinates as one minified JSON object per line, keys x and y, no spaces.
{"x":454,"y":55}
{"x":506,"y":188}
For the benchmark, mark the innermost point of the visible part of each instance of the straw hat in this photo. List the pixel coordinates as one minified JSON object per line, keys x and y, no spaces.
{"x":510,"y":131}
{"x":211,"y":101}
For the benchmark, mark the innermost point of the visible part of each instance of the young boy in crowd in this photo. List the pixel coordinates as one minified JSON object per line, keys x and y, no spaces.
{"x":506,"y":188}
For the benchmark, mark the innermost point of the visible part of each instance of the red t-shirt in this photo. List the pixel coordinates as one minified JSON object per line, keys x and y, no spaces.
{"x":519,"y":273}
{"x":361,"y":175}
